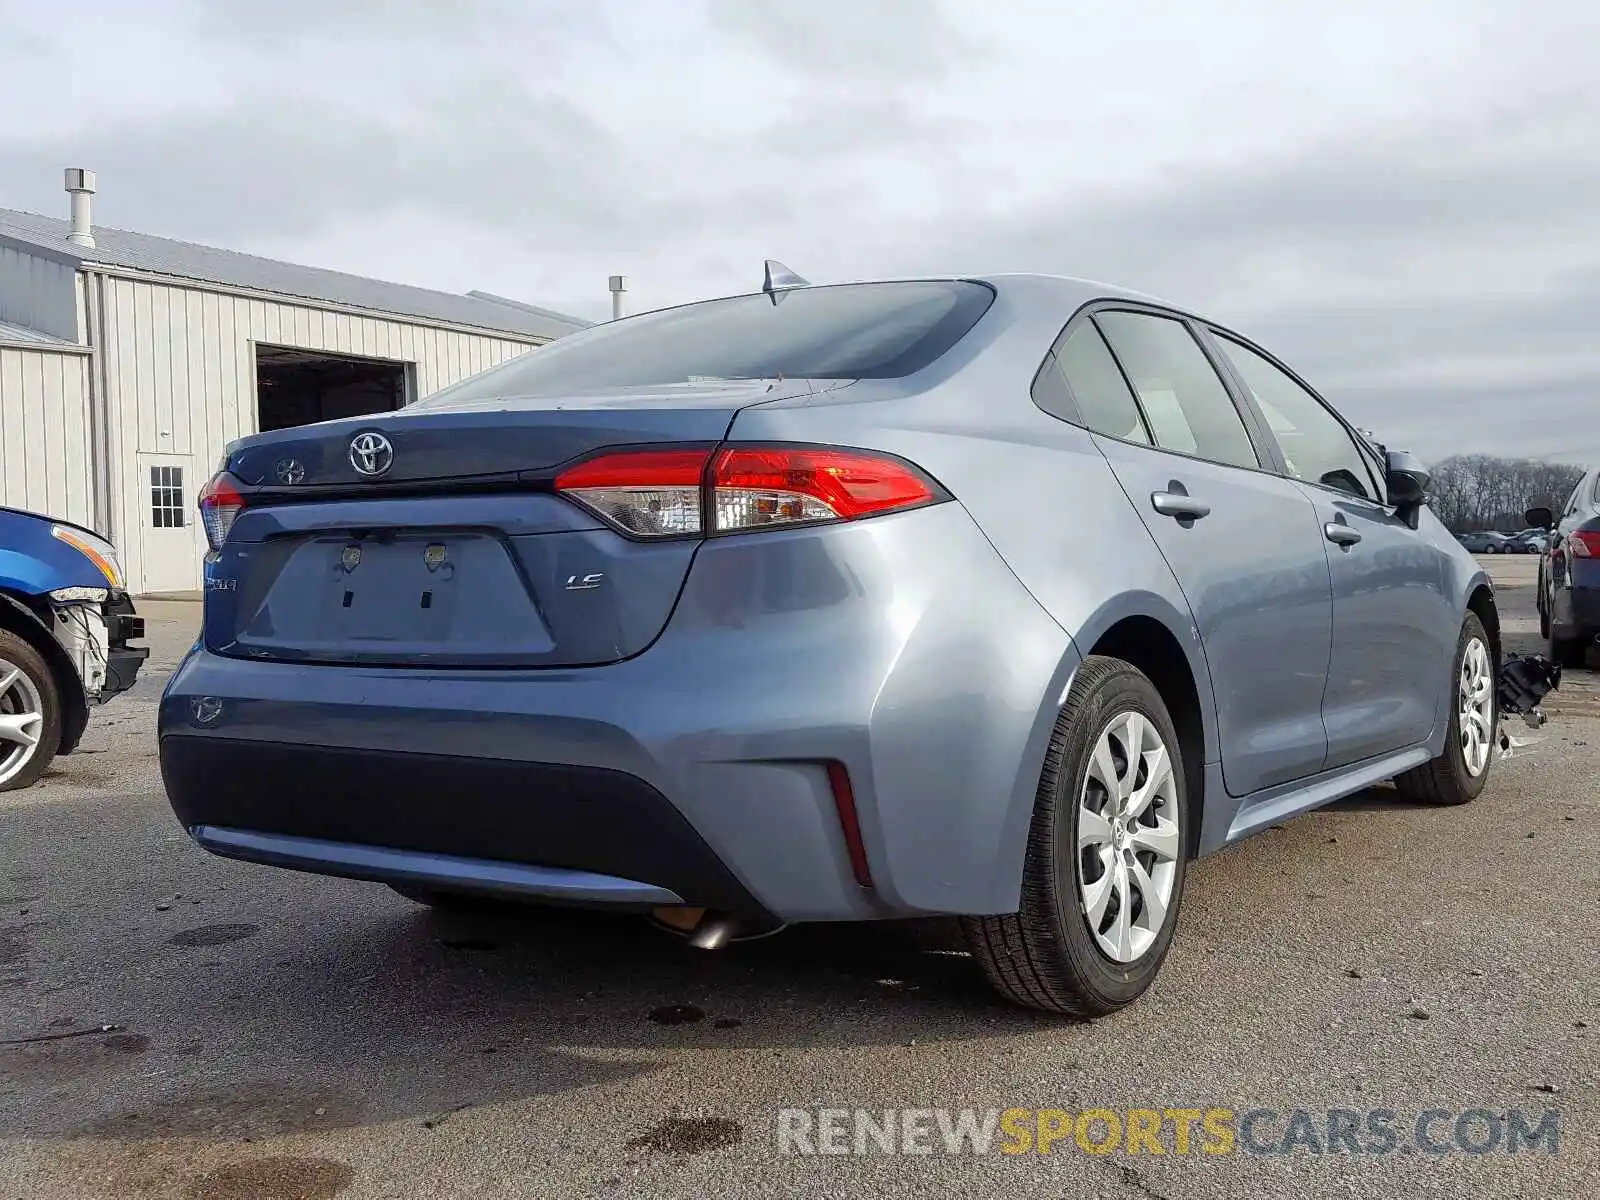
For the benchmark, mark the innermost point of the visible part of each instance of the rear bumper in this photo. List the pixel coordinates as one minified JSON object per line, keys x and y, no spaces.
{"x":1586,"y":611}
{"x":439,"y":870}
{"x":900,"y":647}
{"x":482,"y":824}
{"x":1576,"y":611}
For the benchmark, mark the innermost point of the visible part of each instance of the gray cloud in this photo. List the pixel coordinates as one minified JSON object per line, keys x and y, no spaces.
{"x":1409,"y":223}
{"x":1441,"y":282}
{"x":888,"y":40}
{"x":533,"y":166}
{"x":381,"y":21}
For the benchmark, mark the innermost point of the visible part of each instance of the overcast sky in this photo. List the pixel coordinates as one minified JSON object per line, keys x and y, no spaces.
{"x":1399,"y":197}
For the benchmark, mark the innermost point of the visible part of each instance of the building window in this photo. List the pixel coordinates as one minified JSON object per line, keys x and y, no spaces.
{"x":166,"y":497}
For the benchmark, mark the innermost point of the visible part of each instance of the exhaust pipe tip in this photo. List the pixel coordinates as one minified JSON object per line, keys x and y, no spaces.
{"x":701,"y":928}
{"x":713,"y":932}
{"x":707,"y":930}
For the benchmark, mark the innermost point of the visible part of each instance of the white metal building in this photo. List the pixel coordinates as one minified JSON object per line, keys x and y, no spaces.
{"x":128,"y":361}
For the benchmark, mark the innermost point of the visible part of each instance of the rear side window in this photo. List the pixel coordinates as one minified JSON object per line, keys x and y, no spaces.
{"x":1183,"y":398}
{"x":1316,"y":446}
{"x":1104,"y":402}
{"x":852,"y":331}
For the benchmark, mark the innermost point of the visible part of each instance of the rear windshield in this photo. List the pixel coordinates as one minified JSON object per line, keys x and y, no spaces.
{"x":851,"y":331}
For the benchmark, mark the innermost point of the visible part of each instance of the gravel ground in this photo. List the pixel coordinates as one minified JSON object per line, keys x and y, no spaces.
{"x":172,"y":1025}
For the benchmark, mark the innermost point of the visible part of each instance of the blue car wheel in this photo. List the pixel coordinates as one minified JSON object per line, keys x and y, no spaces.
{"x":30,"y":713}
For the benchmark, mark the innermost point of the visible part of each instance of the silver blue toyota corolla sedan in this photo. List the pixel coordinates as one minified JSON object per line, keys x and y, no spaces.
{"x":1000,"y":598}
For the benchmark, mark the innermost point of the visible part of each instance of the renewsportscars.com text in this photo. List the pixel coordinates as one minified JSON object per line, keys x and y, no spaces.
{"x":1167,"y":1131}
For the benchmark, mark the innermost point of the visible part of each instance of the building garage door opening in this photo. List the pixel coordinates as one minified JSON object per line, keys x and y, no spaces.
{"x":299,"y":387}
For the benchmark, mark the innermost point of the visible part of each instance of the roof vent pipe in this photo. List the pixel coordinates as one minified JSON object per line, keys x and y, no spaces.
{"x":80,"y":186}
{"x":619,"y":284}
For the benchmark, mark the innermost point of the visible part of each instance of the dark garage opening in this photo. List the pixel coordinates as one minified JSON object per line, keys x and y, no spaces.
{"x":298,"y":387}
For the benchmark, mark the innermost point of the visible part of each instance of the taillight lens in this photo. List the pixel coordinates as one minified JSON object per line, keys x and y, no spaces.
{"x":660,"y":493}
{"x":1584,"y":543}
{"x":649,"y":493}
{"x":220,"y":505}
{"x":791,"y":485}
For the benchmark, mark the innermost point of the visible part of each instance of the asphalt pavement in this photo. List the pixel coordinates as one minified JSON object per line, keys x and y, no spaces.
{"x":173,"y":1025}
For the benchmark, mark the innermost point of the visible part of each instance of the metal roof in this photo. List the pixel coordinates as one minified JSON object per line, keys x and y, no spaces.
{"x":21,"y":335}
{"x":228,"y":268}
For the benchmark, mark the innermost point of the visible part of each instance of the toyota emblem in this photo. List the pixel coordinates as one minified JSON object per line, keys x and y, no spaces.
{"x":371,"y":454}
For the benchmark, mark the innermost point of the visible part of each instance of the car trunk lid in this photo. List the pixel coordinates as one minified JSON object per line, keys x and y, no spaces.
{"x":453,"y":552}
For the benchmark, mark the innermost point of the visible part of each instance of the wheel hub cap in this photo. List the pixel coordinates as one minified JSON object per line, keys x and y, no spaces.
{"x":21,"y":720}
{"x":1128,"y":837}
{"x":1476,"y":712}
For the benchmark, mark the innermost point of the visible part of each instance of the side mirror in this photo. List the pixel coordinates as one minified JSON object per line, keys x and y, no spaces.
{"x":1406,"y":479}
{"x":1540,"y":518}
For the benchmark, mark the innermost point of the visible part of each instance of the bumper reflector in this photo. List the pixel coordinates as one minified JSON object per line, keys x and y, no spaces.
{"x":844,"y":799}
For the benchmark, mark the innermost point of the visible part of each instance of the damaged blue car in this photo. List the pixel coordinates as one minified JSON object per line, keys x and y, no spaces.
{"x":66,"y":628}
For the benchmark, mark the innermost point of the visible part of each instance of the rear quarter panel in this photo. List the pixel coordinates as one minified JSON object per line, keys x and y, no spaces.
{"x":1038,"y":488}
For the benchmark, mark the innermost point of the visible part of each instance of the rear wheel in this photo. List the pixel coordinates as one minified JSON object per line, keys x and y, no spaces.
{"x":1105,"y":861}
{"x":1458,"y":774}
{"x":30,"y":713}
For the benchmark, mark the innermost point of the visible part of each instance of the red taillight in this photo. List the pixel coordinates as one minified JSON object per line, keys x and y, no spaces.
{"x":1584,"y":543}
{"x":787,"y":485}
{"x":844,"y":801}
{"x":220,"y":504}
{"x":658,"y":493}
{"x":649,"y":493}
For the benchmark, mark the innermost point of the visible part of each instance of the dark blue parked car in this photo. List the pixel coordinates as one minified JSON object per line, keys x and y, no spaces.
{"x":65,"y":628}
{"x":1569,"y":575}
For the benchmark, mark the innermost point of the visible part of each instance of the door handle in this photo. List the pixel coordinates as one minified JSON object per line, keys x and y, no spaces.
{"x":1176,"y":504}
{"x":1340,"y":535}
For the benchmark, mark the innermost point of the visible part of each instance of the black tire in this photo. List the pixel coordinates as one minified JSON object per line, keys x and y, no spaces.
{"x":443,"y":900}
{"x":1445,"y":780}
{"x":1044,"y":955}
{"x":21,"y":654}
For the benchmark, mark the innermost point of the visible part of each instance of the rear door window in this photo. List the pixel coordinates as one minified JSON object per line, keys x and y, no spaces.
{"x":1317,"y":448}
{"x":1183,"y":398}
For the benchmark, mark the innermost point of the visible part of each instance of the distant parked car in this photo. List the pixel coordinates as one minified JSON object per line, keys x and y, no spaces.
{"x":1569,"y":575}
{"x":1483,"y":543}
{"x":65,"y":625}
{"x":1529,"y":541}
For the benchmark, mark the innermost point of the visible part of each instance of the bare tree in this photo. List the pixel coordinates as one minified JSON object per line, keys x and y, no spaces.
{"x":1484,"y":491}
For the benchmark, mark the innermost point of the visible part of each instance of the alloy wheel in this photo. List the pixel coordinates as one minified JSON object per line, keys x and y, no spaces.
{"x":1476,"y":715}
{"x":1128,"y":837}
{"x":21,"y":720}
